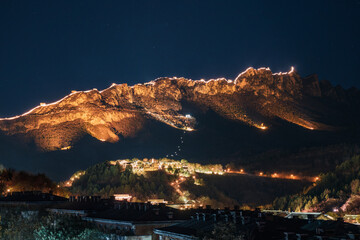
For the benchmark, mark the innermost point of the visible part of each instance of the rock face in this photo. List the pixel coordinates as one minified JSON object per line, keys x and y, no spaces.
{"x":257,"y":97}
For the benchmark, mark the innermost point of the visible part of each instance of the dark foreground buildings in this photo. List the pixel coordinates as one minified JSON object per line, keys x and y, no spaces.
{"x":127,"y":220}
{"x":143,"y":221}
{"x":238,"y":224}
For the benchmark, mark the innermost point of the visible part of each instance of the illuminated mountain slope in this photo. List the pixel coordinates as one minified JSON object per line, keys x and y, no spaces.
{"x":257,"y":97}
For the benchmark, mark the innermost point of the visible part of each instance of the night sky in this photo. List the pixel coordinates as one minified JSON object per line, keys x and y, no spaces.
{"x":48,"y":48}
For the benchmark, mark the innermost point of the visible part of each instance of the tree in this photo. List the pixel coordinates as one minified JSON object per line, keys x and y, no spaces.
{"x":66,"y":228}
{"x":355,"y":186}
{"x":358,"y":219}
{"x":224,"y":231}
{"x":6,"y":176}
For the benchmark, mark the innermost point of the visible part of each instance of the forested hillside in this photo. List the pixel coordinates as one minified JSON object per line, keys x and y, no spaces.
{"x":105,"y":180}
{"x":337,"y":191}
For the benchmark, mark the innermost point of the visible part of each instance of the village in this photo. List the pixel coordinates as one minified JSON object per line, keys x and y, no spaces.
{"x":183,"y":168}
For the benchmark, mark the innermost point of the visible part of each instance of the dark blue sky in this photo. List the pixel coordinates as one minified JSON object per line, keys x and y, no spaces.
{"x":48,"y":48}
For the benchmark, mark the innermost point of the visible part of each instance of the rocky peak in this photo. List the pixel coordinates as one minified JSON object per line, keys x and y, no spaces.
{"x":336,"y":93}
{"x":254,"y":98}
{"x":263,"y":78}
{"x":311,"y":85}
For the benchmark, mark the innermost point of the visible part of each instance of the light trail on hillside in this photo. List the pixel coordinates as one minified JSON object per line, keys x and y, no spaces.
{"x":180,"y":145}
{"x":274,"y":175}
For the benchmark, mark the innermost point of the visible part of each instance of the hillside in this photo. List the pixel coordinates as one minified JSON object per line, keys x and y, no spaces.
{"x":20,"y":181}
{"x":214,"y":121}
{"x":337,"y":191}
{"x":255,"y":97}
{"x":178,"y":184}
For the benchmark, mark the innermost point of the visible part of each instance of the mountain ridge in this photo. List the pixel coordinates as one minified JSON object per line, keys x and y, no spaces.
{"x":255,"y":98}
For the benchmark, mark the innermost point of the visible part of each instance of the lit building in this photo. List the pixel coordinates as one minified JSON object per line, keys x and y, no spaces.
{"x":157,"y":201}
{"x":123,"y":197}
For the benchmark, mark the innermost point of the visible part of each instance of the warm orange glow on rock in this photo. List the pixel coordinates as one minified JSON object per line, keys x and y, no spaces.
{"x":122,"y":110}
{"x":66,"y":148}
{"x":274,"y":175}
{"x":263,"y":127}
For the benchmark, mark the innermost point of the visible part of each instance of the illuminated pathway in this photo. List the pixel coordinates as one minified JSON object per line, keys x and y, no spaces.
{"x":178,"y":150}
{"x":179,"y":147}
{"x":176,"y":185}
{"x":275,"y":175}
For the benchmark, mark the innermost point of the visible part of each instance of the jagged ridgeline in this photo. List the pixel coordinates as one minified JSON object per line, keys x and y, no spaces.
{"x":216,"y":121}
{"x":254,"y":98}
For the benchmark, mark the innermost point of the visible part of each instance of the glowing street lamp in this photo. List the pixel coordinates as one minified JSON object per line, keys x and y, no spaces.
{"x":262,"y":126}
